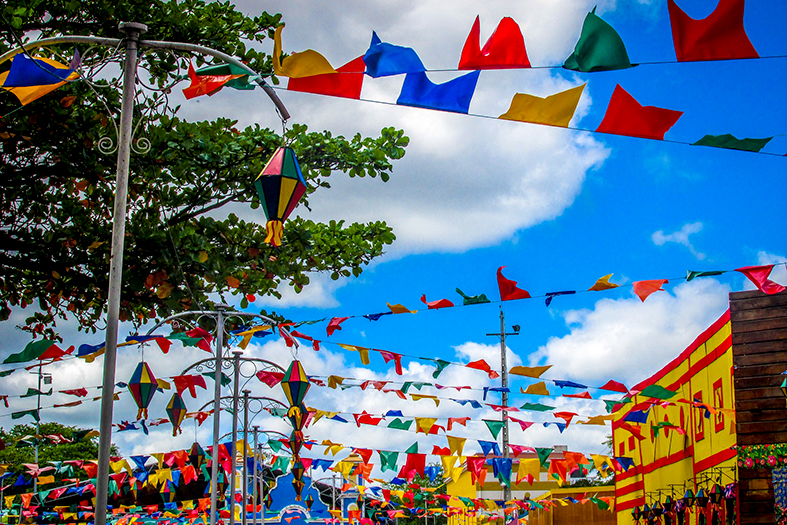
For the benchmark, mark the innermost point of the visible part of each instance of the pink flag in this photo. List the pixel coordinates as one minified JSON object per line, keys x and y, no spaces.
{"x":759,"y":276}
{"x":397,"y":359}
{"x":333,"y":325}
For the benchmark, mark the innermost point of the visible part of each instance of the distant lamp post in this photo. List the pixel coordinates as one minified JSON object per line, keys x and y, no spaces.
{"x":280,"y":186}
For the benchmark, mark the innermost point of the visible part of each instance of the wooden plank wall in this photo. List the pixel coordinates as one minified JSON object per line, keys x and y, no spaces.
{"x":759,"y":353}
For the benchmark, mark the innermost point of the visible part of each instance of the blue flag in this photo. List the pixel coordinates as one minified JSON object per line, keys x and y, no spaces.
{"x":455,"y":95}
{"x":383,"y":59}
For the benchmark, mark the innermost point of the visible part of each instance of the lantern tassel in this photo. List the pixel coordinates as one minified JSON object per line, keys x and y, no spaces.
{"x":142,"y":413}
{"x":275,"y":230}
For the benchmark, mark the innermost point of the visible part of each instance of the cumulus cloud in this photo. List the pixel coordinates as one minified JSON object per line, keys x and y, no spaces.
{"x":493,"y":177}
{"x":680,"y":237}
{"x":627,"y":340}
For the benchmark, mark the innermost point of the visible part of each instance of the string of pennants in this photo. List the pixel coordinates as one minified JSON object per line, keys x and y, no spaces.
{"x":720,"y":36}
{"x":509,"y":291}
{"x":184,"y":466}
{"x":49,"y":351}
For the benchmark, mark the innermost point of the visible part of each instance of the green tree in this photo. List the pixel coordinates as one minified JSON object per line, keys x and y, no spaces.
{"x":57,"y":188}
{"x":20,"y":449}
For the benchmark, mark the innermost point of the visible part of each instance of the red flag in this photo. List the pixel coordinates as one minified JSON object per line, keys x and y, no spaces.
{"x":440,"y":451}
{"x":505,"y":49}
{"x":643,"y":289}
{"x":205,"y":85}
{"x":482,"y":365}
{"x":759,"y":276}
{"x":458,"y":420}
{"x":475,"y":465}
{"x":565,"y":416}
{"x":614,"y":386}
{"x":190,"y":382}
{"x":270,"y":378}
{"x":333,"y":325}
{"x":508,"y":288}
{"x":347,"y":82}
{"x":436,"y":305}
{"x":397,"y":359}
{"x":625,"y":116}
{"x":719,"y":36}
{"x":582,"y":395}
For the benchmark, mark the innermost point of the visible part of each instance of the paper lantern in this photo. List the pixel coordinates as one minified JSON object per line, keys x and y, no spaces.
{"x":296,"y":442}
{"x":701,"y":499}
{"x":297,"y":478}
{"x":657,"y":509}
{"x":716,"y":493}
{"x":297,"y":416}
{"x":669,"y":504}
{"x":688,"y":498}
{"x":176,"y":410}
{"x":309,"y":502}
{"x":295,"y":384}
{"x":280,"y":186}
{"x":142,"y":386}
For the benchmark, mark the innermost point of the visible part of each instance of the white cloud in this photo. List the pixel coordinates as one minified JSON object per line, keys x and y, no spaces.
{"x":627,"y":340}
{"x":680,"y":237}
{"x":493,"y":178}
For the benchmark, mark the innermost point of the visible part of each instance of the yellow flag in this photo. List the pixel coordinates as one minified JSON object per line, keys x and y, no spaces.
{"x":400,"y":309}
{"x":554,"y":110}
{"x":601,"y":463}
{"x":456,"y":445}
{"x":538,"y":389}
{"x":418,"y":397}
{"x":334,"y":381}
{"x":425,"y":424}
{"x":162,"y":384}
{"x":361,"y":350}
{"x":527,"y":466}
{"x":298,"y":65}
{"x":529,"y":371}
{"x":596,"y":420}
{"x":603,"y":284}
{"x":343,"y":467}
{"x":448,"y":463}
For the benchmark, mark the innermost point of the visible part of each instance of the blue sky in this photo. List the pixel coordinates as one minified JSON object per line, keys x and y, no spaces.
{"x":558,"y":208}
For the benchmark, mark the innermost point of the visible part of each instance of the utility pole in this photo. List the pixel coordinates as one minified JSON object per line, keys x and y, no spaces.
{"x":504,"y":380}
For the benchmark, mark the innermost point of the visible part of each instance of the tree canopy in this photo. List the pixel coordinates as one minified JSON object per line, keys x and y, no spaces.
{"x":181,"y":247}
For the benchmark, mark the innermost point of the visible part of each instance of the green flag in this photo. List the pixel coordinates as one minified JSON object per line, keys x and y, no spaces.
{"x":472,"y":299}
{"x":400,"y":424}
{"x":275,"y":444}
{"x":388,"y":460}
{"x":23,"y":413}
{"x":543,"y":454}
{"x":7,"y":373}
{"x":494,"y":427}
{"x":183,"y":338}
{"x":412,"y":449}
{"x":537,"y":407}
{"x":692,"y":274}
{"x":659,"y":392}
{"x":34,"y":392}
{"x":728,"y":141}
{"x":33,"y":350}
{"x":439,"y":363}
{"x":278,"y":412}
{"x":225,"y":379}
{"x":281,"y":463}
{"x":600,"y":48}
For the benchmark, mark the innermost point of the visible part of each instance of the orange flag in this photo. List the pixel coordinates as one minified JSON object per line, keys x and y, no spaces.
{"x":643,"y":289}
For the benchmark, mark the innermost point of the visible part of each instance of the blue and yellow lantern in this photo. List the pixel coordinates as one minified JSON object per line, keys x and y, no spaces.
{"x":280,"y":186}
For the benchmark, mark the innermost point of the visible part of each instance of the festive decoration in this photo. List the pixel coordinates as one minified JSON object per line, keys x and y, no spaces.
{"x":625,"y":116}
{"x":505,"y":49}
{"x":176,"y":410}
{"x":31,"y":78}
{"x":142,"y":386}
{"x":762,"y":456}
{"x":383,"y":59}
{"x":280,"y":186}
{"x":599,"y":48}
{"x":454,"y":95}
{"x":346,"y":82}
{"x":295,"y":384}
{"x":304,"y":64}
{"x":720,"y":36}
{"x":554,"y":110}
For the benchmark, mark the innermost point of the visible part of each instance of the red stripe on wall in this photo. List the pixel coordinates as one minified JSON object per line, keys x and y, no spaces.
{"x":634,"y":487}
{"x":661,"y":462}
{"x":626,"y":505}
{"x":715,"y":459}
